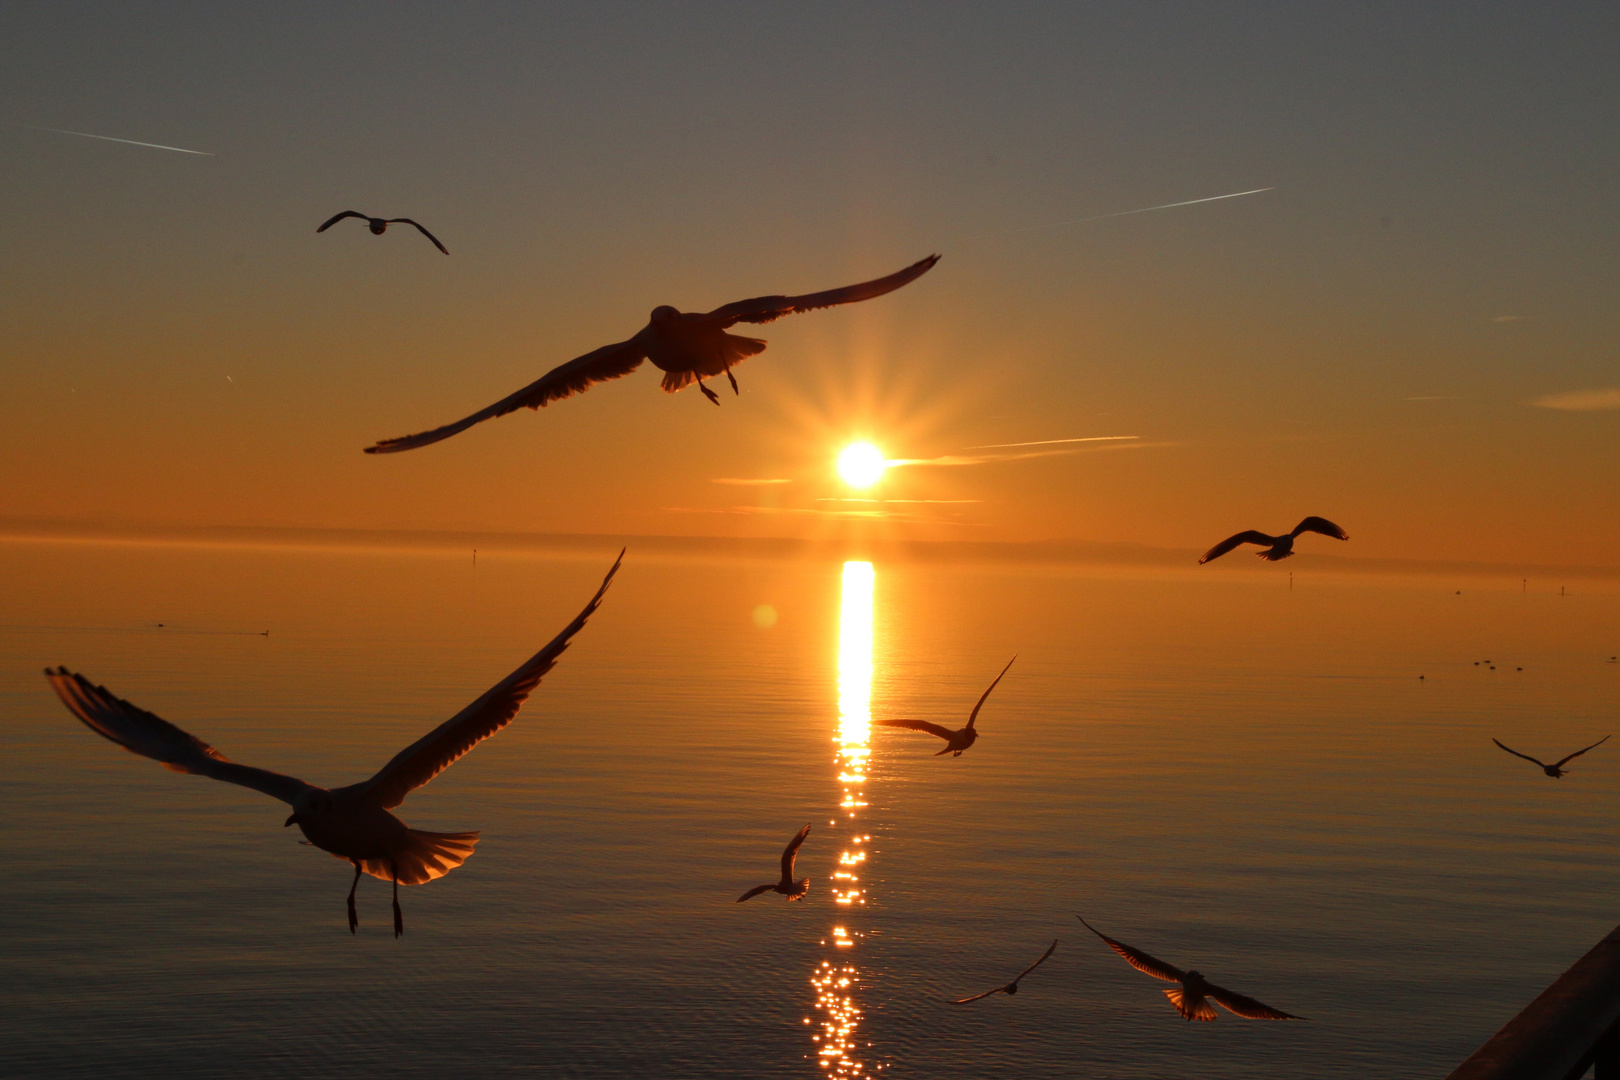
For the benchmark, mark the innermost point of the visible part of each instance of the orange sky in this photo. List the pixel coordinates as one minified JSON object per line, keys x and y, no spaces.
{"x":1366,"y":341}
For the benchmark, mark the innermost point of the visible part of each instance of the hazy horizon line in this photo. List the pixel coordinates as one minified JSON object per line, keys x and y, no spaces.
{"x":1051,"y":549}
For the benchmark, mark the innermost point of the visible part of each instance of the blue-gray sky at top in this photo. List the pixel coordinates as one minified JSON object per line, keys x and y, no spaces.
{"x":1441,"y":249}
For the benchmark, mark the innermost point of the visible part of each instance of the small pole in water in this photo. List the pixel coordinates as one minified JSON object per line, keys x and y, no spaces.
{"x":1524,"y":585}
{"x":1290,"y":581}
{"x":475,"y":558}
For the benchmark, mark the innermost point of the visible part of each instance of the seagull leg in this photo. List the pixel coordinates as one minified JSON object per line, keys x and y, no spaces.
{"x":710,"y":394}
{"x":354,"y":920}
{"x":399,"y":919}
{"x":735,"y":392}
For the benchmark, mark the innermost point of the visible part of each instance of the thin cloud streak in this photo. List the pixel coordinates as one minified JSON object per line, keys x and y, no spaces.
{"x":1145,"y":209}
{"x":799,"y":511}
{"x":130,"y":142}
{"x":987,"y":459}
{"x":1050,"y":442}
{"x":941,"y":502}
{"x":1581,"y":400}
{"x":745,"y":482}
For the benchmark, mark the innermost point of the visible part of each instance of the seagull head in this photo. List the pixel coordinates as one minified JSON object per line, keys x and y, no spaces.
{"x":311,"y":802}
{"x":663,"y":313}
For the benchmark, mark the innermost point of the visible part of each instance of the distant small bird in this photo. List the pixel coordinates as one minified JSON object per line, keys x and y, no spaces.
{"x":1555,"y":770}
{"x":1192,"y":997}
{"x":955,"y":741}
{"x":351,"y":823}
{"x":685,"y":345}
{"x":1276,"y":547}
{"x":789,"y":888}
{"x":1012,"y":987}
{"x":380,"y":225}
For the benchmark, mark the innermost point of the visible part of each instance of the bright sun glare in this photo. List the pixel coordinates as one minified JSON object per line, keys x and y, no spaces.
{"x":861,"y":465}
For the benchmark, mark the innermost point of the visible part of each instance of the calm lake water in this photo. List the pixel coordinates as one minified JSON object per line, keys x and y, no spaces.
{"x":1228,"y":774}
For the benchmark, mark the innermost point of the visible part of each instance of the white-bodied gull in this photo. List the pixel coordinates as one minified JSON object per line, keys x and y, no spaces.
{"x":1192,"y":997}
{"x":685,"y":345}
{"x":955,"y":741}
{"x":352,"y":823}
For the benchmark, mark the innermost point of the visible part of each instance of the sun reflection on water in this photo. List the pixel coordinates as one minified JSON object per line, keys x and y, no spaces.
{"x":836,"y":981}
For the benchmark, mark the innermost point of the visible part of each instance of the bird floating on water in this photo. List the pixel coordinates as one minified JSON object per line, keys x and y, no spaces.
{"x":1192,"y":997}
{"x":380,"y":225}
{"x":1012,"y":987}
{"x":789,"y":888}
{"x":685,"y":345}
{"x":1276,"y":547}
{"x":351,"y":823}
{"x":955,"y":741}
{"x":1556,"y":769}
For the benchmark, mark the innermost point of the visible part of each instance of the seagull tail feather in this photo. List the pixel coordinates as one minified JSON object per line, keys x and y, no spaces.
{"x":424,"y":857}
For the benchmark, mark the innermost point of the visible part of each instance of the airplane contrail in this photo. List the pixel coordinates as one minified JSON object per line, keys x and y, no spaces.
{"x":131,"y":142}
{"x":1145,"y":209}
{"x":1049,"y":442}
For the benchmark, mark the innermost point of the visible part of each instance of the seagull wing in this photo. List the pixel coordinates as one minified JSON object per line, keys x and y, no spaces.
{"x":1250,"y":537}
{"x":1050,"y":950}
{"x":919,"y":725}
{"x":608,"y":362}
{"x":420,"y":229}
{"x":755,"y":891}
{"x":440,"y":748}
{"x":764,"y":309}
{"x":976,"y":997}
{"x":335,"y":218}
{"x":1578,"y":753}
{"x":791,"y":852}
{"x":1247,"y":1007}
{"x":1526,"y":757}
{"x":974,"y":715}
{"x":140,"y":732}
{"x":1138,"y":959}
{"x":1320,"y":525}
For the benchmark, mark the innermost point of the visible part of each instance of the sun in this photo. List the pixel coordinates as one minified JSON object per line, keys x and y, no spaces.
{"x":861,"y":464}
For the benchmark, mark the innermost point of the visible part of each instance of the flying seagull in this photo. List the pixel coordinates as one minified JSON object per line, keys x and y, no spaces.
{"x":1192,"y":997}
{"x":955,"y":741}
{"x":380,"y":225}
{"x":1012,"y":987}
{"x":685,"y":345}
{"x":1276,"y":547}
{"x":789,"y":888}
{"x":351,"y":823}
{"x":1556,"y":769}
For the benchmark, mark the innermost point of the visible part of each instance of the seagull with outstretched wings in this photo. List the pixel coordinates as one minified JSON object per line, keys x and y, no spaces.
{"x":1275,"y":547}
{"x":1193,"y":994}
{"x":686,"y":346}
{"x":789,"y":888}
{"x":351,"y":823}
{"x":1012,"y":987}
{"x":955,"y":741}
{"x":380,"y":225}
{"x":1556,"y":770}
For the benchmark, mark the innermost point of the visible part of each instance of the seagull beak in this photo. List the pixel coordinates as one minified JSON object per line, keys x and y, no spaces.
{"x":291,"y":818}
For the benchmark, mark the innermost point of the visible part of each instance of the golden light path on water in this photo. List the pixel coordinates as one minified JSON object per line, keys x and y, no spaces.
{"x":837,"y":978}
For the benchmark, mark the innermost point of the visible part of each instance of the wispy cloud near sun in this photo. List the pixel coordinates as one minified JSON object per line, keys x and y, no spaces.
{"x":742,"y":481}
{"x":1581,"y":400}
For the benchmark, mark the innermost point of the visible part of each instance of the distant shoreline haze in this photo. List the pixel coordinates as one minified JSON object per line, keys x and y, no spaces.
{"x":1054,"y":551}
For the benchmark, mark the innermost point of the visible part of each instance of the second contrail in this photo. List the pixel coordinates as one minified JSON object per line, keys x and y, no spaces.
{"x":1145,"y":209}
{"x":131,"y":142}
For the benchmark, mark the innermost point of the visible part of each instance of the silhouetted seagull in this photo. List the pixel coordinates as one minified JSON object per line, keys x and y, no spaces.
{"x":685,"y":345}
{"x":955,"y":741}
{"x":1192,"y":997}
{"x":1555,"y":770}
{"x":1012,"y":987}
{"x":380,"y":225}
{"x":1276,"y":547}
{"x":351,"y":823}
{"x":789,"y":888}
